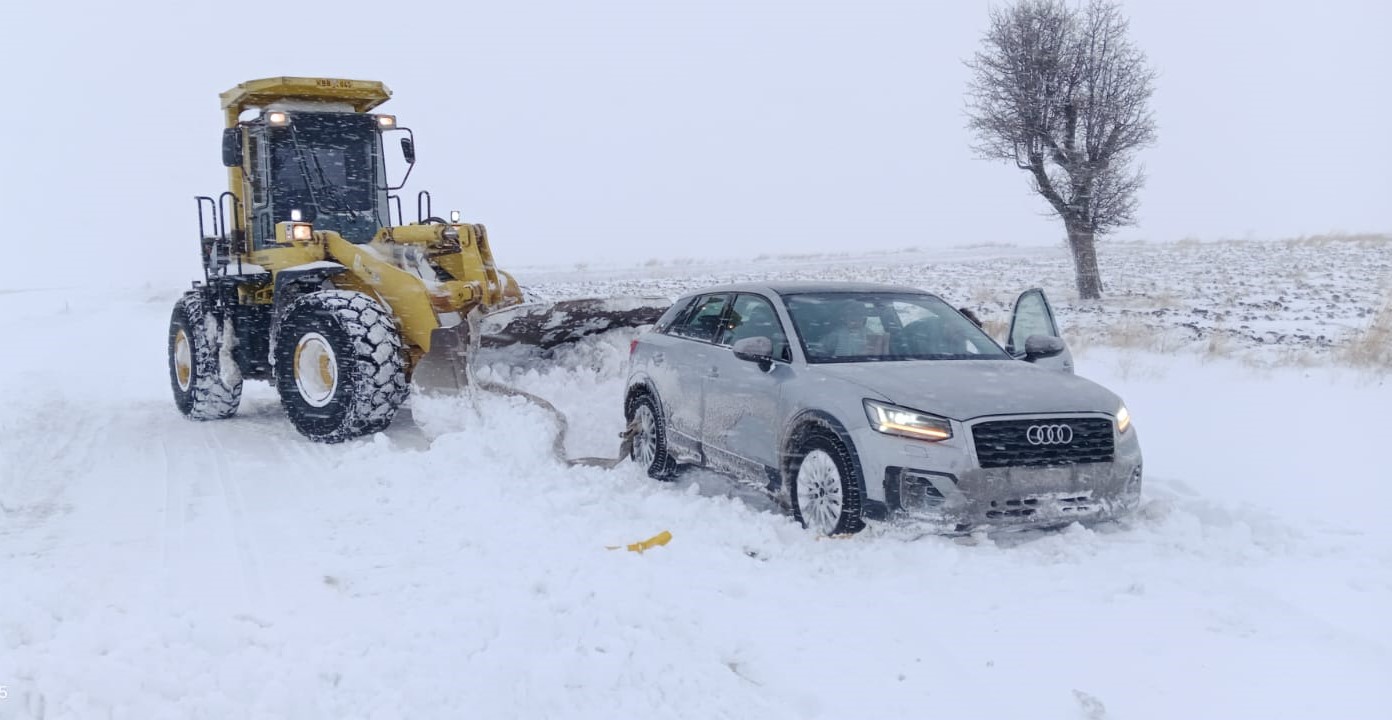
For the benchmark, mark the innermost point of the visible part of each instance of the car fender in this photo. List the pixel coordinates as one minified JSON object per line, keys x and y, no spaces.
{"x":639,"y":382}
{"x":792,"y":433}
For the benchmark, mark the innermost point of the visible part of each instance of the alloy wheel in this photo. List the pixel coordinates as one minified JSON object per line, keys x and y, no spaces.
{"x":820,"y":500}
{"x":645,"y":439}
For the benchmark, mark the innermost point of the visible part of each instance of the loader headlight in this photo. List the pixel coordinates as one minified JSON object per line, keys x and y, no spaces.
{"x":386,"y":122}
{"x":895,"y":420}
{"x":301,"y":231}
{"x":276,"y":118}
{"x":454,"y":216}
{"x":1123,"y":420}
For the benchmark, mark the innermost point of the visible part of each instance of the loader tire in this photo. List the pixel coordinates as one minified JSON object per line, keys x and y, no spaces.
{"x":202,"y":391}
{"x":339,"y":365}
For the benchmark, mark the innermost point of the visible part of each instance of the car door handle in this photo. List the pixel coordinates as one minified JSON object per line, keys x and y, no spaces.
{"x":658,"y":358}
{"x":714,"y":373}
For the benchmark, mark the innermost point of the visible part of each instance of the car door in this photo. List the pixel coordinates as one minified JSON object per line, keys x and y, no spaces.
{"x":1034,"y":316}
{"x":689,"y":363}
{"x":740,"y":425}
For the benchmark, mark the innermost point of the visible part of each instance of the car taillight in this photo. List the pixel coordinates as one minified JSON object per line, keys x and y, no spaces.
{"x":632,"y":346}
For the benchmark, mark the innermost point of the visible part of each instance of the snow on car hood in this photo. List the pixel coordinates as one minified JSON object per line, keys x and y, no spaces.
{"x":966,"y":389}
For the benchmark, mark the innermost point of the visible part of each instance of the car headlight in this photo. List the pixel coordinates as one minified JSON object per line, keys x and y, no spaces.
{"x":894,"y":420}
{"x":1123,"y":419}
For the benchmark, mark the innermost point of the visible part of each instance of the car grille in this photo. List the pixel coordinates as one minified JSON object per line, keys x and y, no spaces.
{"x":1057,"y":441}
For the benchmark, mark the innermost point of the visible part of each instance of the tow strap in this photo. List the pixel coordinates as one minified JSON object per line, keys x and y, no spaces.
{"x":558,"y":444}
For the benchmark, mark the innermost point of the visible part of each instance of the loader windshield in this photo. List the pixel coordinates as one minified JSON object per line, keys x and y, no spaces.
{"x":328,"y":166}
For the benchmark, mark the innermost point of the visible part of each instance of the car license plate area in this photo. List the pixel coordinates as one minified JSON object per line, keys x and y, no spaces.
{"x":1042,"y":505}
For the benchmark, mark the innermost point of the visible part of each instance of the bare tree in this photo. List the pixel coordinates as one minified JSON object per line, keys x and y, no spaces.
{"x":1061,"y":92}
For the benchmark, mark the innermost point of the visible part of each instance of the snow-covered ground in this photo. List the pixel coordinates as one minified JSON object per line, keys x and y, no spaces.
{"x":153,"y":567}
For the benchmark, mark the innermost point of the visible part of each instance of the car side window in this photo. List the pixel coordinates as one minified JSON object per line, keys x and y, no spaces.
{"x":674,"y":315}
{"x":754,"y":316}
{"x":703,"y":321}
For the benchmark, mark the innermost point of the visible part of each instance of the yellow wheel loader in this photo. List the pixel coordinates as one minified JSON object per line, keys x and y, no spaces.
{"x":314,"y":282}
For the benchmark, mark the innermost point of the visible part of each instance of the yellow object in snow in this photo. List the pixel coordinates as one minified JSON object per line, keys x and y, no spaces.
{"x":661,"y":538}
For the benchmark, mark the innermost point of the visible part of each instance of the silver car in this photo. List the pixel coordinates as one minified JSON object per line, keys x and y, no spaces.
{"x":852,"y":401}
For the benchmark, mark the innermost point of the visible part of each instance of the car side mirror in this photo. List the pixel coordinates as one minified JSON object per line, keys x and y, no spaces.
{"x":232,"y":147}
{"x":1042,"y":346}
{"x":754,"y":349}
{"x":408,"y":150}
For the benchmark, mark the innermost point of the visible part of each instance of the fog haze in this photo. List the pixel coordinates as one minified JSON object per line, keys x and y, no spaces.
{"x":623,"y":131}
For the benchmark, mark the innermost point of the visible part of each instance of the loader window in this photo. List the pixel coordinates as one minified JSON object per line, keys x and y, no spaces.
{"x":327,"y":166}
{"x":258,"y":185}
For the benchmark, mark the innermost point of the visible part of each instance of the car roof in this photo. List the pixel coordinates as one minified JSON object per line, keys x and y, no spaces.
{"x":791,"y":287}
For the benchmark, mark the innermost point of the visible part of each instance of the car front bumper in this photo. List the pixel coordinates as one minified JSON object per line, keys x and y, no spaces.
{"x":943,"y":486}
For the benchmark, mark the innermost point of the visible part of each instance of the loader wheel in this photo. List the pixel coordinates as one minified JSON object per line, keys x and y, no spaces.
{"x":202,"y":391}
{"x":339,"y":365}
{"x":650,"y":438}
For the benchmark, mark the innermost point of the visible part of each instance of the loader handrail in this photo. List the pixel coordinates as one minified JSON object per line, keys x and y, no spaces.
{"x":238,"y":231}
{"x":423,"y":195}
{"x":400,"y":219}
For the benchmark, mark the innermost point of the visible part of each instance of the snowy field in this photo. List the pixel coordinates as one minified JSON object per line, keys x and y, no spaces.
{"x":152,"y":567}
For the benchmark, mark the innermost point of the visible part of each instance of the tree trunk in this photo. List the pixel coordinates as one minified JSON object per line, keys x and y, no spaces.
{"x":1083,"y":244}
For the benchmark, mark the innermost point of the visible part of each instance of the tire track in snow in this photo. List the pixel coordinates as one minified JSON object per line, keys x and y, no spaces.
{"x":171,"y":522}
{"x":206,"y":557}
{"x":235,"y":505}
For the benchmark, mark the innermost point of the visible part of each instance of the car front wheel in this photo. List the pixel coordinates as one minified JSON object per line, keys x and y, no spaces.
{"x":825,"y":492}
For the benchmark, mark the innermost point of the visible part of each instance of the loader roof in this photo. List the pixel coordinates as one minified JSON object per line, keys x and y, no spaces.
{"x":363,"y":95}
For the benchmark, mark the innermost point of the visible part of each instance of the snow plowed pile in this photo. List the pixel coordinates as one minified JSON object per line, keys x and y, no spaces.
{"x":154,"y":567}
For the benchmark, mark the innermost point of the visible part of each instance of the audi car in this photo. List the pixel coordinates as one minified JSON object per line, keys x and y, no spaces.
{"x":851,"y":401}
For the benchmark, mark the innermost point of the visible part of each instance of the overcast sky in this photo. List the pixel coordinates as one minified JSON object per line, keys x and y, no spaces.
{"x":636,"y":130}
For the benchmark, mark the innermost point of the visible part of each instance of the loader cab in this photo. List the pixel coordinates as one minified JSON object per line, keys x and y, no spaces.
{"x":327,"y":165}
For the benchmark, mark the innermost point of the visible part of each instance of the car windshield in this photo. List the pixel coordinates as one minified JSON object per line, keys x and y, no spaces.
{"x":843,"y":327}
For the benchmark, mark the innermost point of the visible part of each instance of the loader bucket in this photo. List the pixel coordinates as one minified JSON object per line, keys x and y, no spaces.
{"x":548,"y":324}
{"x":446,"y":367}
{"x":542,"y":325}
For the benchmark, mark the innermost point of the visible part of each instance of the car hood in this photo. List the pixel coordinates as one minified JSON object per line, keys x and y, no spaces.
{"x":966,"y":389}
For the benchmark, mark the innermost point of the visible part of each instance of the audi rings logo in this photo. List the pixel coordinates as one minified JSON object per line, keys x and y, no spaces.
{"x":1049,"y":435}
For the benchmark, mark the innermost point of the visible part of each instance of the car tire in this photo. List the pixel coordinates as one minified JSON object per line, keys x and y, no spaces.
{"x":825,"y":485}
{"x":202,"y":391}
{"x":649,"y":448}
{"x":339,"y":365}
